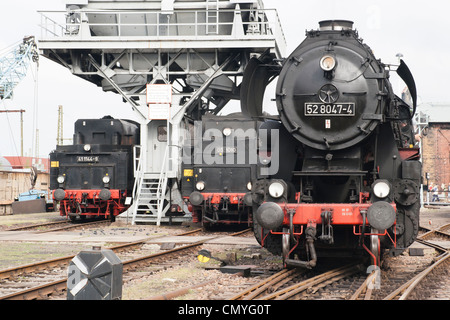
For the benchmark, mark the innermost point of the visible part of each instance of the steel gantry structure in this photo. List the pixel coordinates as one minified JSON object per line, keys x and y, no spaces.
{"x":199,"y":47}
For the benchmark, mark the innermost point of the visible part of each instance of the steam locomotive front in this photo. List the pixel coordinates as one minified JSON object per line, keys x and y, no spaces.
{"x":348,"y":188}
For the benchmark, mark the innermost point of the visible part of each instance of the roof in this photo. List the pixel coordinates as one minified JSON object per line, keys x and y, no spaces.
{"x":436,"y":112}
{"x":5,"y":165}
{"x":20,"y":163}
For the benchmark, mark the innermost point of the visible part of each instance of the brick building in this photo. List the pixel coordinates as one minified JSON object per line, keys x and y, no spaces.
{"x":436,"y":145}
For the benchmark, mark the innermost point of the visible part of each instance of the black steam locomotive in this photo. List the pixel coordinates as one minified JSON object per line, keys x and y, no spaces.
{"x":95,"y":176}
{"x":218,"y":169}
{"x":352,"y":184}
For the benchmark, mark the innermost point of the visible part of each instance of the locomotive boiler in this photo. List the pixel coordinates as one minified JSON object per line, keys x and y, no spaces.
{"x":355,"y":177}
{"x":94,"y":177}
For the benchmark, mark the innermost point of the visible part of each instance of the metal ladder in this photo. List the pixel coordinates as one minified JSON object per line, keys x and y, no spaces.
{"x":212,"y":17}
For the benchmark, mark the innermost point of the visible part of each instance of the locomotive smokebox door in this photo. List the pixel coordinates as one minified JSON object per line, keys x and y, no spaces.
{"x":95,"y":275}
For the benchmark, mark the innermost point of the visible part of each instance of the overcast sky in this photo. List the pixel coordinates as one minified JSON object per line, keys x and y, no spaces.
{"x":417,"y":29}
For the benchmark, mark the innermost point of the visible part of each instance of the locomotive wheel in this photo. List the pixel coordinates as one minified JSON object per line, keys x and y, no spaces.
{"x":206,"y":225}
{"x":285,"y":243}
{"x":375,"y":247}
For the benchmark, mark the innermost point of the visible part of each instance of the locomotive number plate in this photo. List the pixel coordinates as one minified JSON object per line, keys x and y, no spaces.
{"x":226,"y":150}
{"x":333,"y":109}
{"x":87,"y":158}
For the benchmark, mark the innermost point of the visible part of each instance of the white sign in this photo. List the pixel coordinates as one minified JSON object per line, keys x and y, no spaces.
{"x":159,"y":93}
{"x":158,"y":111}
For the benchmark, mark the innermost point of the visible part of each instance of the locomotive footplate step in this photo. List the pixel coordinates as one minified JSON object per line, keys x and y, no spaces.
{"x":416,"y":252}
{"x":415,"y":248}
{"x":244,"y":269}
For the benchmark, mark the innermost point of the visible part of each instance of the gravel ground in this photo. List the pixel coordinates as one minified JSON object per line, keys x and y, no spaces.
{"x":187,"y":272}
{"x":20,"y":253}
{"x":10,"y":221}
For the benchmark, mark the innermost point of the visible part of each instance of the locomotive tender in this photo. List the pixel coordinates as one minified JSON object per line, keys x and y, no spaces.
{"x":219,"y":168}
{"x":354,"y":186}
{"x":95,"y":176}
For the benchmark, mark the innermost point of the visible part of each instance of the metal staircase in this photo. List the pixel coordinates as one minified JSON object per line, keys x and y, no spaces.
{"x":150,"y":194}
{"x":149,"y":203}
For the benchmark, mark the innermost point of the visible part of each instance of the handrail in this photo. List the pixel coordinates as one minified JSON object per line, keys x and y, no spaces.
{"x":137,"y":169}
{"x":74,"y":19}
{"x":162,"y":183}
{"x":138,"y":174}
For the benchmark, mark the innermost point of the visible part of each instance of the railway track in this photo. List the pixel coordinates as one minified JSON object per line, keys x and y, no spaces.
{"x":349,"y":282}
{"x":443,"y":232}
{"x":296,"y":284}
{"x":46,"y":289}
{"x":58,"y":226}
{"x":274,"y":287}
{"x":405,"y":290}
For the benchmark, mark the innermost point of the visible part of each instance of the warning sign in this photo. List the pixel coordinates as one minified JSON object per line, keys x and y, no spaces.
{"x":159,"y":111}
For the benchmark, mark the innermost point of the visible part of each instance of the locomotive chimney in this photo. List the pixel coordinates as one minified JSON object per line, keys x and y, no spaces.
{"x":335,"y":25}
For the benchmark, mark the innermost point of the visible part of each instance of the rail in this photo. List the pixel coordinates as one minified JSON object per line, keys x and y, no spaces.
{"x":404,"y":291}
{"x":47,"y":289}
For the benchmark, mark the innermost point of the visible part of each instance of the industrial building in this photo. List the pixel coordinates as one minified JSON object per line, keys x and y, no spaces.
{"x":15,"y":178}
{"x":436,"y":145}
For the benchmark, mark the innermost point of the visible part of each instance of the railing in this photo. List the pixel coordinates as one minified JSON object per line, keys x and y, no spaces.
{"x":138,"y":176}
{"x":157,"y":24}
{"x":162,"y":185}
{"x":437,"y":198}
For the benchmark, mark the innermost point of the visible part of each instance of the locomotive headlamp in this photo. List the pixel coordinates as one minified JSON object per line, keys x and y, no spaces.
{"x":106,"y":179}
{"x":381,"y":188}
{"x":200,"y":185}
{"x":87,"y":147}
{"x":327,"y":63}
{"x":249,"y":186}
{"x":60,"y":179}
{"x":276,"y":189}
{"x":226,"y":132}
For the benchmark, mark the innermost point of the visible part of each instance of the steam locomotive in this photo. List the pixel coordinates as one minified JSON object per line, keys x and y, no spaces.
{"x":219,"y":168}
{"x":350,"y":184}
{"x":94,"y":177}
